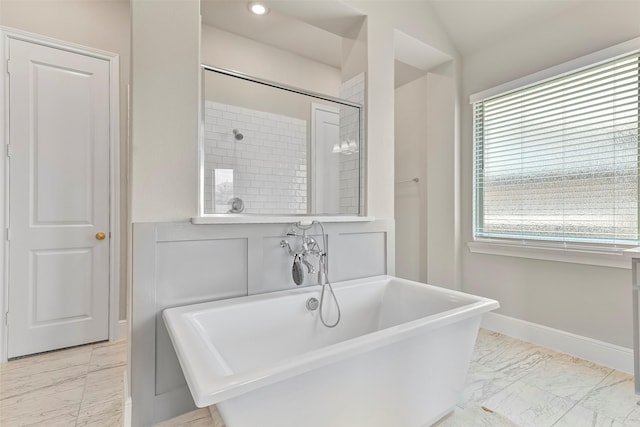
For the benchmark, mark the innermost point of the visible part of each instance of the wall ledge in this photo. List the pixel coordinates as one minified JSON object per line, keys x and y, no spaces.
{"x":275,"y":219}
{"x":598,"y":256}
{"x":603,"y":353}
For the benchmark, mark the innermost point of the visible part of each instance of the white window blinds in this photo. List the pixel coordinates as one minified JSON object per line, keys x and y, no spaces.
{"x":558,"y":160}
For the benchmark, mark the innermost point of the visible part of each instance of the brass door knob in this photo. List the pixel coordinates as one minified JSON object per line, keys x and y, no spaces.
{"x":100,"y":235}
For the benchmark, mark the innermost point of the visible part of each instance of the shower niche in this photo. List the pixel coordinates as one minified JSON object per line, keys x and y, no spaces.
{"x":271,"y":149}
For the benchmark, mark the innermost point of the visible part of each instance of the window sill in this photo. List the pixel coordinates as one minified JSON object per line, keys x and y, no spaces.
{"x":573,"y":253}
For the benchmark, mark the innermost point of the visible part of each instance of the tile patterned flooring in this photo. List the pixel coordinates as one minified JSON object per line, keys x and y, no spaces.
{"x":80,"y":386}
{"x":511,"y":383}
{"x":527,"y":385}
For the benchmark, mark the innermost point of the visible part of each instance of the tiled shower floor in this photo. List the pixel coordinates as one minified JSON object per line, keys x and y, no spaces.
{"x":510,"y":383}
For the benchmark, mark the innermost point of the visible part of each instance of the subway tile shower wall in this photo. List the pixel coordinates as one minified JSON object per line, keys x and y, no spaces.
{"x":351,"y":90}
{"x":267,"y":168}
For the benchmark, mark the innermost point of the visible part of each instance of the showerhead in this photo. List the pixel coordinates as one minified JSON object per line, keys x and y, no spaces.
{"x":237,"y":135}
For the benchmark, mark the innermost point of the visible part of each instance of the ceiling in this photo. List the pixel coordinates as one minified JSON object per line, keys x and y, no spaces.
{"x":276,"y":28}
{"x":294,"y":26}
{"x":473,"y":25}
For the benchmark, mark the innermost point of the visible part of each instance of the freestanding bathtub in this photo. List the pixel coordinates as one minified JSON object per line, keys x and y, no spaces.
{"x":398,"y":357}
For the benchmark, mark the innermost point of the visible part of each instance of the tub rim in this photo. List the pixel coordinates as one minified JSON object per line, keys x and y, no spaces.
{"x":215,"y":383}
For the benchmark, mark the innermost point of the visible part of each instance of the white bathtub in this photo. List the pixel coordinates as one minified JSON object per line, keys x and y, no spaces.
{"x":398,"y":358}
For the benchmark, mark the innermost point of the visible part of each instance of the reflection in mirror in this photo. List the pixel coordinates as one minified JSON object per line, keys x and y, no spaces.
{"x":275,"y":150}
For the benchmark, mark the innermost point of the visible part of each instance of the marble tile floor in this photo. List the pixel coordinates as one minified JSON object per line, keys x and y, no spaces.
{"x":80,"y":386}
{"x":513,"y":383}
{"x":510,"y":383}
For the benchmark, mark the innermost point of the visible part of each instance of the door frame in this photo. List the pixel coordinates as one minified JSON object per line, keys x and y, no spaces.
{"x":116,"y":330}
{"x":316,"y":106}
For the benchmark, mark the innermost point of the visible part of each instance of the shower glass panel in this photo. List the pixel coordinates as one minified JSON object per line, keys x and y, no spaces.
{"x":269,"y":149}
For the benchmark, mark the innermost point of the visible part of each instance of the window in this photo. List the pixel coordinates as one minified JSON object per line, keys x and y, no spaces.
{"x":558,"y":160}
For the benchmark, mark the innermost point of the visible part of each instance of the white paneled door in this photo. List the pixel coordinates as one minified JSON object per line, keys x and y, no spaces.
{"x":58,"y":198}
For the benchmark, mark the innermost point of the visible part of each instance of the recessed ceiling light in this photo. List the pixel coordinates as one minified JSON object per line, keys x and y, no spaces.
{"x":258,"y":8}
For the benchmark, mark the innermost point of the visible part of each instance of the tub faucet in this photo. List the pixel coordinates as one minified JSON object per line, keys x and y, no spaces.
{"x":303,"y":247}
{"x":310,"y":268}
{"x":310,"y":246}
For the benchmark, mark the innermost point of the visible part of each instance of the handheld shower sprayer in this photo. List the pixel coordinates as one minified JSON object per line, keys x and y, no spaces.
{"x":310,"y":247}
{"x":322,"y":270}
{"x":323,"y":280}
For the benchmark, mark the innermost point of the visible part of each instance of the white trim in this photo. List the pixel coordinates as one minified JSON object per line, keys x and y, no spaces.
{"x":7,"y":33}
{"x":311,"y":149}
{"x":201,"y":150}
{"x":114,"y":198}
{"x":311,"y":156}
{"x":56,"y":43}
{"x":632,"y":253}
{"x":4,"y":188}
{"x":553,"y":252}
{"x":579,"y":253}
{"x":603,"y":353}
{"x":560,"y":69}
{"x":121,"y":331}
{"x":126,"y":402}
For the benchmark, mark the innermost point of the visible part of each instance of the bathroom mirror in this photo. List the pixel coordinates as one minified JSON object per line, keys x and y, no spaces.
{"x":270,"y":149}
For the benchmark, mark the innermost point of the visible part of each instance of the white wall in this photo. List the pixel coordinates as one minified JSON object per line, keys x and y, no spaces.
{"x":441,"y":186}
{"x":99,"y":24}
{"x":581,"y":299}
{"x":438,"y":247}
{"x":425,"y":211}
{"x":417,"y":20}
{"x":165,"y":105}
{"x":225,"y":50}
{"x":354,"y":52}
{"x":379,"y":117}
{"x":410,"y":152}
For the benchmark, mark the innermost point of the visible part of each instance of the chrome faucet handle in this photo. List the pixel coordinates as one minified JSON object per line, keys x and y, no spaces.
{"x":285,"y":244}
{"x":310,"y":245}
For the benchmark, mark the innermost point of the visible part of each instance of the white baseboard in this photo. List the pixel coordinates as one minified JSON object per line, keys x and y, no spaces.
{"x":121,"y":331}
{"x":603,"y":353}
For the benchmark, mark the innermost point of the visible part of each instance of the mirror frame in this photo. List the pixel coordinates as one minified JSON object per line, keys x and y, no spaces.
{"x":243,"y":76}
